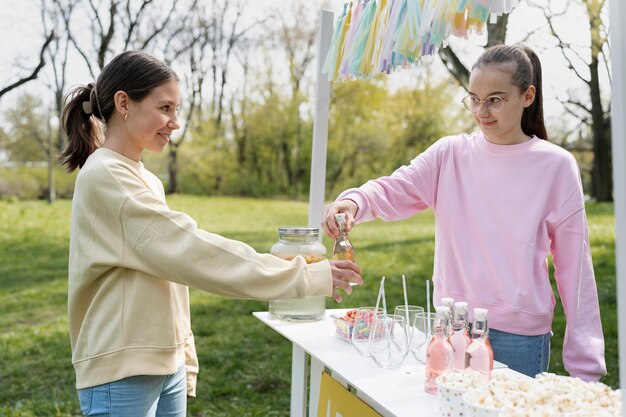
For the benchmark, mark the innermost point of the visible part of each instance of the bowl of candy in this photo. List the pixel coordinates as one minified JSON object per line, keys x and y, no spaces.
{"x":344,"y":324}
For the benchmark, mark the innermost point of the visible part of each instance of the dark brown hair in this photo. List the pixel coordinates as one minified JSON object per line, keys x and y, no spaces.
{"x":525,"y":69}
{"x":136,"y":73}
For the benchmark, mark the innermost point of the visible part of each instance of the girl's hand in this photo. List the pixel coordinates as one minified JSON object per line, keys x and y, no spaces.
{"x":329,"y":224}
{"x":344,"y":272}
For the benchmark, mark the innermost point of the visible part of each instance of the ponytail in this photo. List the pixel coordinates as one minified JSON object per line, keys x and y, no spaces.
{"x":83,"y":131}
{"x":525,"y":69}
{"x":532,"y":118}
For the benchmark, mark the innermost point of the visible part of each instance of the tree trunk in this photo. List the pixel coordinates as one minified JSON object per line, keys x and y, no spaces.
{"x":172,"y":169}
{"x":51,"y":163}
{"x":496,"y":33}
{"x":602,"y":178}
{"x":601,"y":187}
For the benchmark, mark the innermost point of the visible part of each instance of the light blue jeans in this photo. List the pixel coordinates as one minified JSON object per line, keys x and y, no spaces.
{"x":137,"y":396}
{"x":528,"y":355}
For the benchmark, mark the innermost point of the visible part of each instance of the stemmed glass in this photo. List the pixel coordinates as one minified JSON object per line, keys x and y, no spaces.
{"x":421,"y":333}
{"x":389,"y":343}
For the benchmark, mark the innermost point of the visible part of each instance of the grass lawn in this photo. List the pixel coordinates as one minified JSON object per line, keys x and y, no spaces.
{"x":245,"y":367}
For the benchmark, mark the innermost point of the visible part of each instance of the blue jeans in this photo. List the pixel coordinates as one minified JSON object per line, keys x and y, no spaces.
{"x":528,"y":355}
{"x":137,"y":396}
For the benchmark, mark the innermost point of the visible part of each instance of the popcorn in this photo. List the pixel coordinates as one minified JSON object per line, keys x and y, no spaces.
{"x":549,"y":395}
{"x":466,"y":379}
{"x":512,"y":383}
{"x":559,"y":382}
{"x":497,"y":398}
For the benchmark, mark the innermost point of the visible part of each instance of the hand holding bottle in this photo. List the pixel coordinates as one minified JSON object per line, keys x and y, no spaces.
{"x":342,"y":248}
{"x":329,"y":224}
{"x":344,"y":273}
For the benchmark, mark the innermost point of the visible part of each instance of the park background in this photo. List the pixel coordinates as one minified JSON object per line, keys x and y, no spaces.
{"x":240,"y":165}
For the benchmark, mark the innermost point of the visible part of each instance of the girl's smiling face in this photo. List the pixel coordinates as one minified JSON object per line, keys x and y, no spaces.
{"x":502,"y":127}
{"x":152,"y":120}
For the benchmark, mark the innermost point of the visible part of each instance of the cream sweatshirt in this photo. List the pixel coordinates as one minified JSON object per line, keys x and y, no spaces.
{"x":131,"y":262}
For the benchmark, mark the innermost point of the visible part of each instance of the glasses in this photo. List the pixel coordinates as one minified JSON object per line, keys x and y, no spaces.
{"x":494,"y":104}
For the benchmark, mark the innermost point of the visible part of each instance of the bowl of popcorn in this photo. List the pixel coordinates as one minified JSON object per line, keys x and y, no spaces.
{"x":548,"y":395}
{"x":344,"y":324}
{"x":572,"y":397}
{"x":451,"y":385}
{"x":490,"y":401}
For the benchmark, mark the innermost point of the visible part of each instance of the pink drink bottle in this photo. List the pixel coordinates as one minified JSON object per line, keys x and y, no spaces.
{"x":439,"y":352}
{"x":460,"y":338}
{"x":478,"y":354}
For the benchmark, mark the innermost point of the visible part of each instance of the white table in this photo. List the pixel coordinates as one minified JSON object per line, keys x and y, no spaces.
{"x":391,"y":392}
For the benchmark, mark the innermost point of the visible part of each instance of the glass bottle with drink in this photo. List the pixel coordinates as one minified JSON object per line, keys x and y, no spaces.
{"x":342,"y":248}
{"x":479,"y":355}
{"x":439,"y":352}
{"x":460,"y":338}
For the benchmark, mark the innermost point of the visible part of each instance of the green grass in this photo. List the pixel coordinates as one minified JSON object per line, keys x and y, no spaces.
{"x":245,"y":367}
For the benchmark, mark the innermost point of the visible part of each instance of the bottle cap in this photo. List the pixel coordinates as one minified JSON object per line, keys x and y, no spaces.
{"x":442,"y":309}
{"x":448,"y":301}
{"x":340,"y":217}
{"x":460,"y":306}
{"x":480,"y":313}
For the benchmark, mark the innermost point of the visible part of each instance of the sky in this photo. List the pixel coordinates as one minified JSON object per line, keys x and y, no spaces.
{"x":22,"y":35}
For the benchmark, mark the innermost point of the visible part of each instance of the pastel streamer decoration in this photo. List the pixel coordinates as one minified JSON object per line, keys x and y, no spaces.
{"x":385,"y":58}
{"x":364,"y":26}
{"x":347,"y":47}
{"x":335,"y":52}
{"x":383,"y":35}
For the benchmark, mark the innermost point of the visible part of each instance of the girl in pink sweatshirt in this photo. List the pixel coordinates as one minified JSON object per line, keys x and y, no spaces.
{"x":504,"y":199}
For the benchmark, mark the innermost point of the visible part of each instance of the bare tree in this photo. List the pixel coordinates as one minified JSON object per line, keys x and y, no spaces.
{"x":207,"y":46}
{"x":238,"y":115}
{"x":56,"y":16}
{"x":33,"y":75}
{"x":586,"y":64}
{"x":225,"y":29}
{"x":117,"y":25}
{"x":189,"y":44}
{"x":296,"y":37}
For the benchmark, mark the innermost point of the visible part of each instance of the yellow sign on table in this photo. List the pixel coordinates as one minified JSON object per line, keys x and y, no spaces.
{"x":336,"y":401}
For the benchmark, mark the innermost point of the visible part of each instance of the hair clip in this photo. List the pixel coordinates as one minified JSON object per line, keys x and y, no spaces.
{"x":87,"y":107}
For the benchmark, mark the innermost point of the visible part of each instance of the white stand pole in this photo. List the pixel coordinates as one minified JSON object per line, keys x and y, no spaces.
{"x":316,"y":210}
{"x":618,"y":136}
{"x":320,"y":123}
{"x":299,"y":373}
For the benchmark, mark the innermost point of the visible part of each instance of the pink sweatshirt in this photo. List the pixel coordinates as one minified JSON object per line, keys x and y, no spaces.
{"x":499,"y":211}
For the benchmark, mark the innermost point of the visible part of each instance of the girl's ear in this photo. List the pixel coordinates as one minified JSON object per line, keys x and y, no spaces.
{"x":529,"y":96}
{"x":121,"y":100}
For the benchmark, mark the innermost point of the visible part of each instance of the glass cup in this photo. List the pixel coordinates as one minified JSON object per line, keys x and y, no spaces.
{"x":401,"y":311}
{"x":421,"y":333}
{"x":361,"y":329}
{"x":389,"y":343}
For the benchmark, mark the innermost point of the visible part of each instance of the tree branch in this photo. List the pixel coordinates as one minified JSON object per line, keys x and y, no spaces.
{"x":33,"y":75}
{"x":455,"y":66}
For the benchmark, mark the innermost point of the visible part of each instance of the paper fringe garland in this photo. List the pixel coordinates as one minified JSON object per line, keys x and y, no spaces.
{"x":381,"y":35}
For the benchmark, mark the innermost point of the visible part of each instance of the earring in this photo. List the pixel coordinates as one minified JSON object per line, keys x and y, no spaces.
{"x":126,"y":116}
